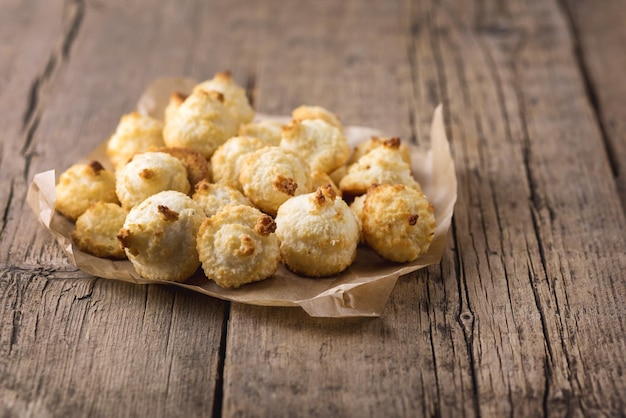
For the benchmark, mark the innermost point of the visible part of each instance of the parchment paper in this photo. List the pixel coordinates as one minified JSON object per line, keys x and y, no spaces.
{"x":361,"y":290}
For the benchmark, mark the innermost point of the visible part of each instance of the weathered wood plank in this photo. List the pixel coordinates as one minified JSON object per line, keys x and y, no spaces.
{"x":89,"y":347}
{"x":30,"y":42}
{"x":601,"y":43}
{"x":414,"y":360}
{"x":505,"y":326}
{"x":76,"y":346}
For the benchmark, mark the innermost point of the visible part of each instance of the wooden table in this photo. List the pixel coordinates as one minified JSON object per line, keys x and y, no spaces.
{"x":525,"y":314}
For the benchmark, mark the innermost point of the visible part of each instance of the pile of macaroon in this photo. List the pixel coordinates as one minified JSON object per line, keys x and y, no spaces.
{"x":209,"y":186}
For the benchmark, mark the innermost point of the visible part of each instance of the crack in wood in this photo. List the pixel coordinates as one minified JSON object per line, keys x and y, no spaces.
{"x":465,"y":316}
{"x":73,"y":14}
{"x":168,"y":344}
{"x":536,"y":205}
{"x":579,"y":56}
{"x":145,"y":305}
{"x":7,"y":207}
{"x":414,"y":29}
{"x":251,"y":89}
{"x":15,"y":327}
{"x":218,"y":395}
{"x":437,"y":405}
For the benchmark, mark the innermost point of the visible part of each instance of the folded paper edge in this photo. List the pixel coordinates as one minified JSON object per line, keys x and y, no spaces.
{"x":345,"y":300}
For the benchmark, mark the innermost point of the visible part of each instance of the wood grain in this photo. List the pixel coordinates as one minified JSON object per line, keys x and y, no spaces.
{"x":503,"y":327}
{"x":71,"y":345}
{"x":524,"y":315}
{"x":600,"y":37}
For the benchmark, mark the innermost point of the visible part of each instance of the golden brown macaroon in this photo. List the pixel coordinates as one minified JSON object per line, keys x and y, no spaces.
{"x":238,"y":245}
{"x":235,"y":98}
{"x":319,"y":179}
{"x":319,"y":143}
{"x":176,"y":99}
{"x":135,"y":133}
{"x":379,"y":141}
{"x":225,"y":162}
{"x":305,"y":112}
{"x":338,"y":174}
{"x":149,"y":173}
{"x":382,"y":165}
{"x":268,"y":131}
{"x":272,"y":175}
{"x":202,"y":122}
{"x":212,"y":197}
{"x":159,"y":236}
{"x":318,"y":233}
{"x":196,"y":165}
{"x":398,"y":222}
{"x":96,"y":230}
{"x":357,"y":208}
{"x":81,"y":185}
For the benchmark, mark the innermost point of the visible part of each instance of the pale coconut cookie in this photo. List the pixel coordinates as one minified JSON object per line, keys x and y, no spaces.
{"x":375,"y":142}
{"x":384,"y":164}
{"x":225,"y":162}
{"x":398,"y":221}
{"x":323,"y":146}
{"x":81,"y":185}
{"x":176,"y":99}
{"x":135,"y":133}
{"x":147,"y":174}
{"x":235,"y":98}
{"x":238,"y":245}
{"x":212,"y":197}
{"x":318,"y":233}
{"x":96,"y":230}
{"x":319,"y":179}
{"x":272,"y":175}
{"x":159,"y":236}
{"x":268,"y":131}
{"x":357,"y":208}
{"x":305,"y":112}
{"x":202,"y":122}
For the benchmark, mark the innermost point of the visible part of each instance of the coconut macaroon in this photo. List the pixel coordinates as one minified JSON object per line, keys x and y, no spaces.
{"x":272,"y":175}
{"x":319,"y":143}
{"x":357,"y":208}
{"x":159,"y":236}
{"x":202,"y":122}
{"x":238,"y":245}
{"x":305,"y":112}
{"x":338,"y":174}
{"x":96,"y":230}
{"x":147,"y":174}
{"x":176,"y":99}
{"x":398,"y":222}
{"x":81,"y":185}
{"x":382,"y":165}
{"x":196,"y":165}
{"x":319,"y":179}
{"x":212,"y":197}
{"x":135,"y":133}
{"x":375,"y":142}
{"x":235,"y":98}
{"x":318,"y":233}
{"x":268,"y":131}
{"x":225,"y":160}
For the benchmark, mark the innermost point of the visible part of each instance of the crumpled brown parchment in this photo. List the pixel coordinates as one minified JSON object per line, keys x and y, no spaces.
{"x":361,"y":290}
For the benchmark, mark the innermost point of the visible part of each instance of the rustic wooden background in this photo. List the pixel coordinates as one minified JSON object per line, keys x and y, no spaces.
{"x":525,"y":315}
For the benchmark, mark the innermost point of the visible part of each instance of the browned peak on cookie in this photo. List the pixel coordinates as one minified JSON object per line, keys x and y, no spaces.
{"x":168,"y":214}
